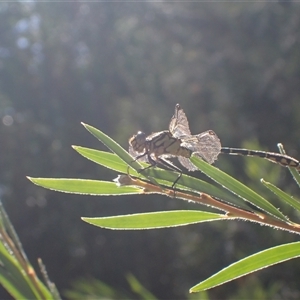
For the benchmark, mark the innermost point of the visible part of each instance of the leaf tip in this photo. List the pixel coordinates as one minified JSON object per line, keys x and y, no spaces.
{"x":85,"y":219}
{"x":30,"y":179}
{"x":264,"y":182}
{"x":34,"y":180}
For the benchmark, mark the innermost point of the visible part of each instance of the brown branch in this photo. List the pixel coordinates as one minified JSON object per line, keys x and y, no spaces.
{"x":232,"y":212}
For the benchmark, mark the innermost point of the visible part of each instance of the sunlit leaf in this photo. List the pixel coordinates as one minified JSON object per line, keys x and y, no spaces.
{"x":237,"y":187}
{"x":282,"y":195}
{"x":250,"y":264}
{"x":294,"y":172}
{"x":113,"y":146}
{"x":154,"y":219}
{"x":107,"y":159}
{"x":84,"y":186}
{"x":13,"y":278}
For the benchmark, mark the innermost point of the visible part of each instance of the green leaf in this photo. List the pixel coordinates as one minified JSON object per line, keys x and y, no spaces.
{"x":282,"y":195}
{"x":13,"y":277}
{"x":138,"y":288}
{"x":113,"y":146}
{"x":107,"y":159}
{"x":14,"y":268}
{"x":85,"y":186}
{"x":294,"y":172}
{"x":154,"y":220}
{"x":237,"y":187}
{"x":14,"y":287}
{"x":250,"y":264}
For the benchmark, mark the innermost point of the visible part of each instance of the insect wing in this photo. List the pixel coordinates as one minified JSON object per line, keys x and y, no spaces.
{"x":205,"y":145}
{"x":179,"y":125}
{"x":187,"y":163}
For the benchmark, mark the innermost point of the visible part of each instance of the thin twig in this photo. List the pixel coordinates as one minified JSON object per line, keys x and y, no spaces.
{"x":232,"y":212}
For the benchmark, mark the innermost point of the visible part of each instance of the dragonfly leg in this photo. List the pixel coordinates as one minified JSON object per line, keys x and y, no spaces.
{"x":136,"y":158}
{"x":165,"y":163}
{"x":174,"y":183}
{"x":172,"y":167}
{"x":155,"y":162}
{"x":141,"y":155}
{"x":152,"y":162}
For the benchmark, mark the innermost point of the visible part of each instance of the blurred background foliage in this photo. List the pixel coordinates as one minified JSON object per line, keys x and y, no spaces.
{"x":122,"y":67}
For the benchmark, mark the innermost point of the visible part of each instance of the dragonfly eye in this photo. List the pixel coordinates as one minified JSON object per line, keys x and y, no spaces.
{"x":140,"y":137}
{"x":137,"y":142}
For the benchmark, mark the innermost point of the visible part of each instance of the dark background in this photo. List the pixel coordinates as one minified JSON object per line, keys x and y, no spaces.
{"x":122,"y":67}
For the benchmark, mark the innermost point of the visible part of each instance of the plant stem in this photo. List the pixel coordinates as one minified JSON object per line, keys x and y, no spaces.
{"x":232,"y":212}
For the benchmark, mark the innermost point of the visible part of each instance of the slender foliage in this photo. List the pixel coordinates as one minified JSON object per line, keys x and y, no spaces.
{"x":190,"y":189}
{"x":17,"y":275}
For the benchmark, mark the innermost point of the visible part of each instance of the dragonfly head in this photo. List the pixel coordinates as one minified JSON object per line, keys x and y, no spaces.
{"x":138,"y":141}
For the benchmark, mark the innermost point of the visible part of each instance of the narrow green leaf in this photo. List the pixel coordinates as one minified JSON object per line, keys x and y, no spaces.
{"x":138,"y":288}
{"x":295,"y":175}
{"x":154,"y":220}
{"x":12,"y":286}
{"x":14,"y":273}
{"x":237,"y":187}
{"x":293,"y":171}
{"x":13,"y":277}
{"x":113,"y":146}
{"x":8,"y":227}
{"x":107,"y":159}
{"x":84,"y":186}
{"x":282,"y":195}
{"x":250,"y":264}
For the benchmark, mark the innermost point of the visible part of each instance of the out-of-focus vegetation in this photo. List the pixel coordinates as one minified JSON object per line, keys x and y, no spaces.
{"x":233,"y":67}
{"x":17,"y":275}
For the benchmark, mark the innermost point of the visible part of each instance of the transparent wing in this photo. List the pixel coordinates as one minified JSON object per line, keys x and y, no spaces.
{"x":187,"y":163}
{"x":179,"y":125}
{"x":183,"y":160}
{"x":205,"y":145}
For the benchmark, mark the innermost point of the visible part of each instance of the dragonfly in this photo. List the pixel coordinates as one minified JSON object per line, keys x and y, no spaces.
{"x":159,"y":147}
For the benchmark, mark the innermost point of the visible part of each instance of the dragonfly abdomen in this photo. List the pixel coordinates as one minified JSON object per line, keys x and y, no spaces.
{"x":278,"y":158}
